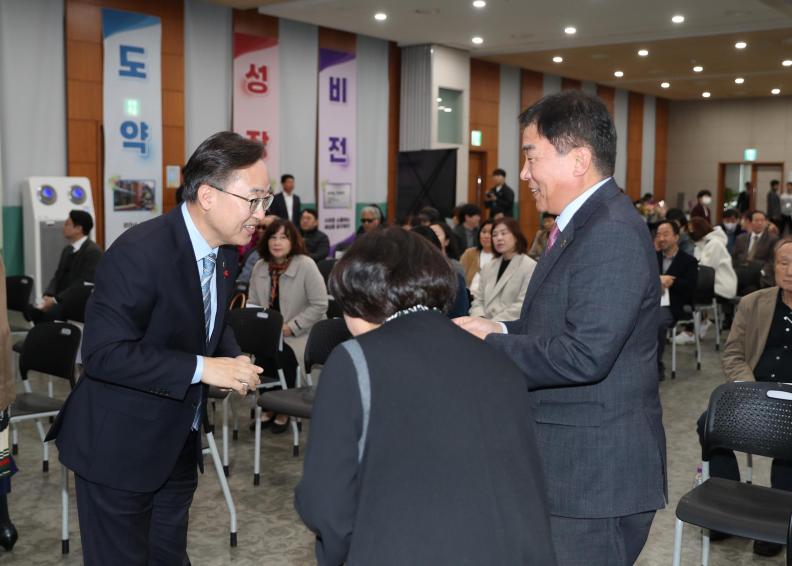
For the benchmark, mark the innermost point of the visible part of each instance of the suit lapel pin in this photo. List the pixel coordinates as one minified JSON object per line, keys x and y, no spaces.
{"x":225,"y":271}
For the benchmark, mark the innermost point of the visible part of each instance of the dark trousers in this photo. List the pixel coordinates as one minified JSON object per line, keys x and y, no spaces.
{"x":723,"y":464}
{"x":612,"y":541}
{"x":665,"y":321}
{"x":139,"y":529}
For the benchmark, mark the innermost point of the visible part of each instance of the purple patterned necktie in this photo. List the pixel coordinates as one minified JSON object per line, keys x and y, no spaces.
{"x":551,"y":240}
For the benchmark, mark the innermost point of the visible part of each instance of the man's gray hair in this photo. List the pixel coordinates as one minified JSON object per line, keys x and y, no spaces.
{"x":374,"y":209}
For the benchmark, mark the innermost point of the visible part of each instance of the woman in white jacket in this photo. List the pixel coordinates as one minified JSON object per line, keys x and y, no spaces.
{"x":710,"y":250}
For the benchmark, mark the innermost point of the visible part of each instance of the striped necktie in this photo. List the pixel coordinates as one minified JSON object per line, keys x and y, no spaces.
{"x":208,"y":267}
{"x":206,"y":290}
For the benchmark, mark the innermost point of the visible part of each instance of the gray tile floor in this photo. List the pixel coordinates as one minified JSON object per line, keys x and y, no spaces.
{"x":270,"y":532}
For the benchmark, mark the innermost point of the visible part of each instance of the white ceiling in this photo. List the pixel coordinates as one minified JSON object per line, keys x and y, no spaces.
{"x":511,"y":27}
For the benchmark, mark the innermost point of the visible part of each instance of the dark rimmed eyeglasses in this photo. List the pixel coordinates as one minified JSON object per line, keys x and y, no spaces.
{"x":263,"y":202}
{"x":368,"y":220}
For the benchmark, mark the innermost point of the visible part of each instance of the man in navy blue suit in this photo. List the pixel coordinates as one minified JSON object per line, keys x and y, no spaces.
{"x":586,"y":339}
{"x":155,"y":339}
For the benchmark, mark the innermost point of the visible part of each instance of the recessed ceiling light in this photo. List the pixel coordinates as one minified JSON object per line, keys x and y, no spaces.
{"x":643,"y":52}
{"x":678,"y":19}
{"x":698,"y":69}
{"x":618,"y":74}
{"x":479,"y":4}
{"x":477,"y":40}
{"x":380,"y":16}
{"x":570,"y":30}
{"x":739,"y":80}
{"x":787,"y":62}
{"x":439,"y":99}
{"x":740,"y":45}
{"x":706,"y":94}
{"x":447,"y":109}
{"x":558,"y":59}
{"x":775,"y":91}
{"x":665,"y":85}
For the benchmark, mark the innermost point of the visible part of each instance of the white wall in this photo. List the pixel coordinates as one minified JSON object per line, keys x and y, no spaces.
{"x":620,"y":116}
{"x":648,"y":145}
{"x":32,"y":93}
{"x":509,"y":127}
{"x":702,"y":134}
{"x":372,"y":120}
{"x":451,"y":70}
{"x":207,"y":71}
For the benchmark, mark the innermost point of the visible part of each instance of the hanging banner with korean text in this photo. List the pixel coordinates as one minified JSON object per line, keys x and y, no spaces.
{"x":132,"y":102}
{"x":336,"y":153}
{"x":256,"y":86}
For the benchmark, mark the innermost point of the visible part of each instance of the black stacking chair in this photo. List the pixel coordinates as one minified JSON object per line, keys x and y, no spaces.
{"x":74,"y":300}
{"x":334,"y":309}
{"x":209,"y":446}
{"x":50,"y":348}
{"x":325,"y":267}
{"x":753,"y":418}
{"x":19,"y":288}
{"x":259,"y":332}
{"x":325,"y":335}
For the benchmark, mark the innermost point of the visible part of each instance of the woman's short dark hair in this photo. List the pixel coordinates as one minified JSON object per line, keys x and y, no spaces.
{"x":488,"y":221}
{"x":699,"y":227}
{"x":704,"y":193}
{"x":571,"y":119}
{"x":390,"y":270}
{"x":216,"y":159}
{"x":514,"y":228}
{"x":297,"y":243}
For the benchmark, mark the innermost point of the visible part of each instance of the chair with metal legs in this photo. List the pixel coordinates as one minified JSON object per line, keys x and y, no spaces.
{"x":746,"y":417}
{"x":221,"y":467}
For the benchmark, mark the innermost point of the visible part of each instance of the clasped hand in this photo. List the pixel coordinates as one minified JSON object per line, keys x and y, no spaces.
{"x":238,"y":374}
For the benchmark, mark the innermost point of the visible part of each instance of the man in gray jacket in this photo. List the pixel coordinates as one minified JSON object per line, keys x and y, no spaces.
{"x":586,"y":340}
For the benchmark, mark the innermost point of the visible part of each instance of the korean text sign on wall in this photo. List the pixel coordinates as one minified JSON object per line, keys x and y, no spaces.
{"x":336,"y":140}
{"x":132,"y":103}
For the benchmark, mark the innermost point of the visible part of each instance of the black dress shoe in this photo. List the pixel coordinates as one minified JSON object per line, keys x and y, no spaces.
{"x":8,"y":536}
{"x":278,"y":428}
{"x":763,"y":548}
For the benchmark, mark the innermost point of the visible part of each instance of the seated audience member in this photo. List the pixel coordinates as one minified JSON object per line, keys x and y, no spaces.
{"x":474,"y":259}
{"x":757,"y":349}
{"x":448,"y":243}
{"x":252,"y":256}
{"x":710,"y":250}
{"x":467,"y":228}
{"x":678,"y":277}
{"x":685,"y":243}
{"x":702,"y":208}
{"x":731,"y":227}
{"x":428,"y":215}
{"x":505,"y":279}
{"x":371,"y":218}
{"x":755,"y":247}
{"x":461,"y":303}
{"x":394,"y":472}
{"x":317,"y":244}
{"x":288,"y":281}
{"x":540,"y":240}
{"x":77,"y":266}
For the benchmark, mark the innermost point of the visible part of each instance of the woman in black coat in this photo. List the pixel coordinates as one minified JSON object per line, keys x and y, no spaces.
{"x":422,"y":448}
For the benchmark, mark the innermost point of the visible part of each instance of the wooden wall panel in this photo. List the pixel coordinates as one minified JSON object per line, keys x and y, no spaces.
{"x":532,"y":84}
{"x":253,"y":23}
{"x":634,"y":144}
{"x":569,"y":84}
{"x":661,"y":148}
{"x":84,"y":68}
{"x":608,"y":95}
{"x":337,"y":40}
{"x":394,"y":109}
{"x":484,"y":108}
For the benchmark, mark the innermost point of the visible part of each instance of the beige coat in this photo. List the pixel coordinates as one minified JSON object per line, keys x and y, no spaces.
{"x":748,"y":335}
{"x":502,"y":299}
{"x":7,"y":388}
